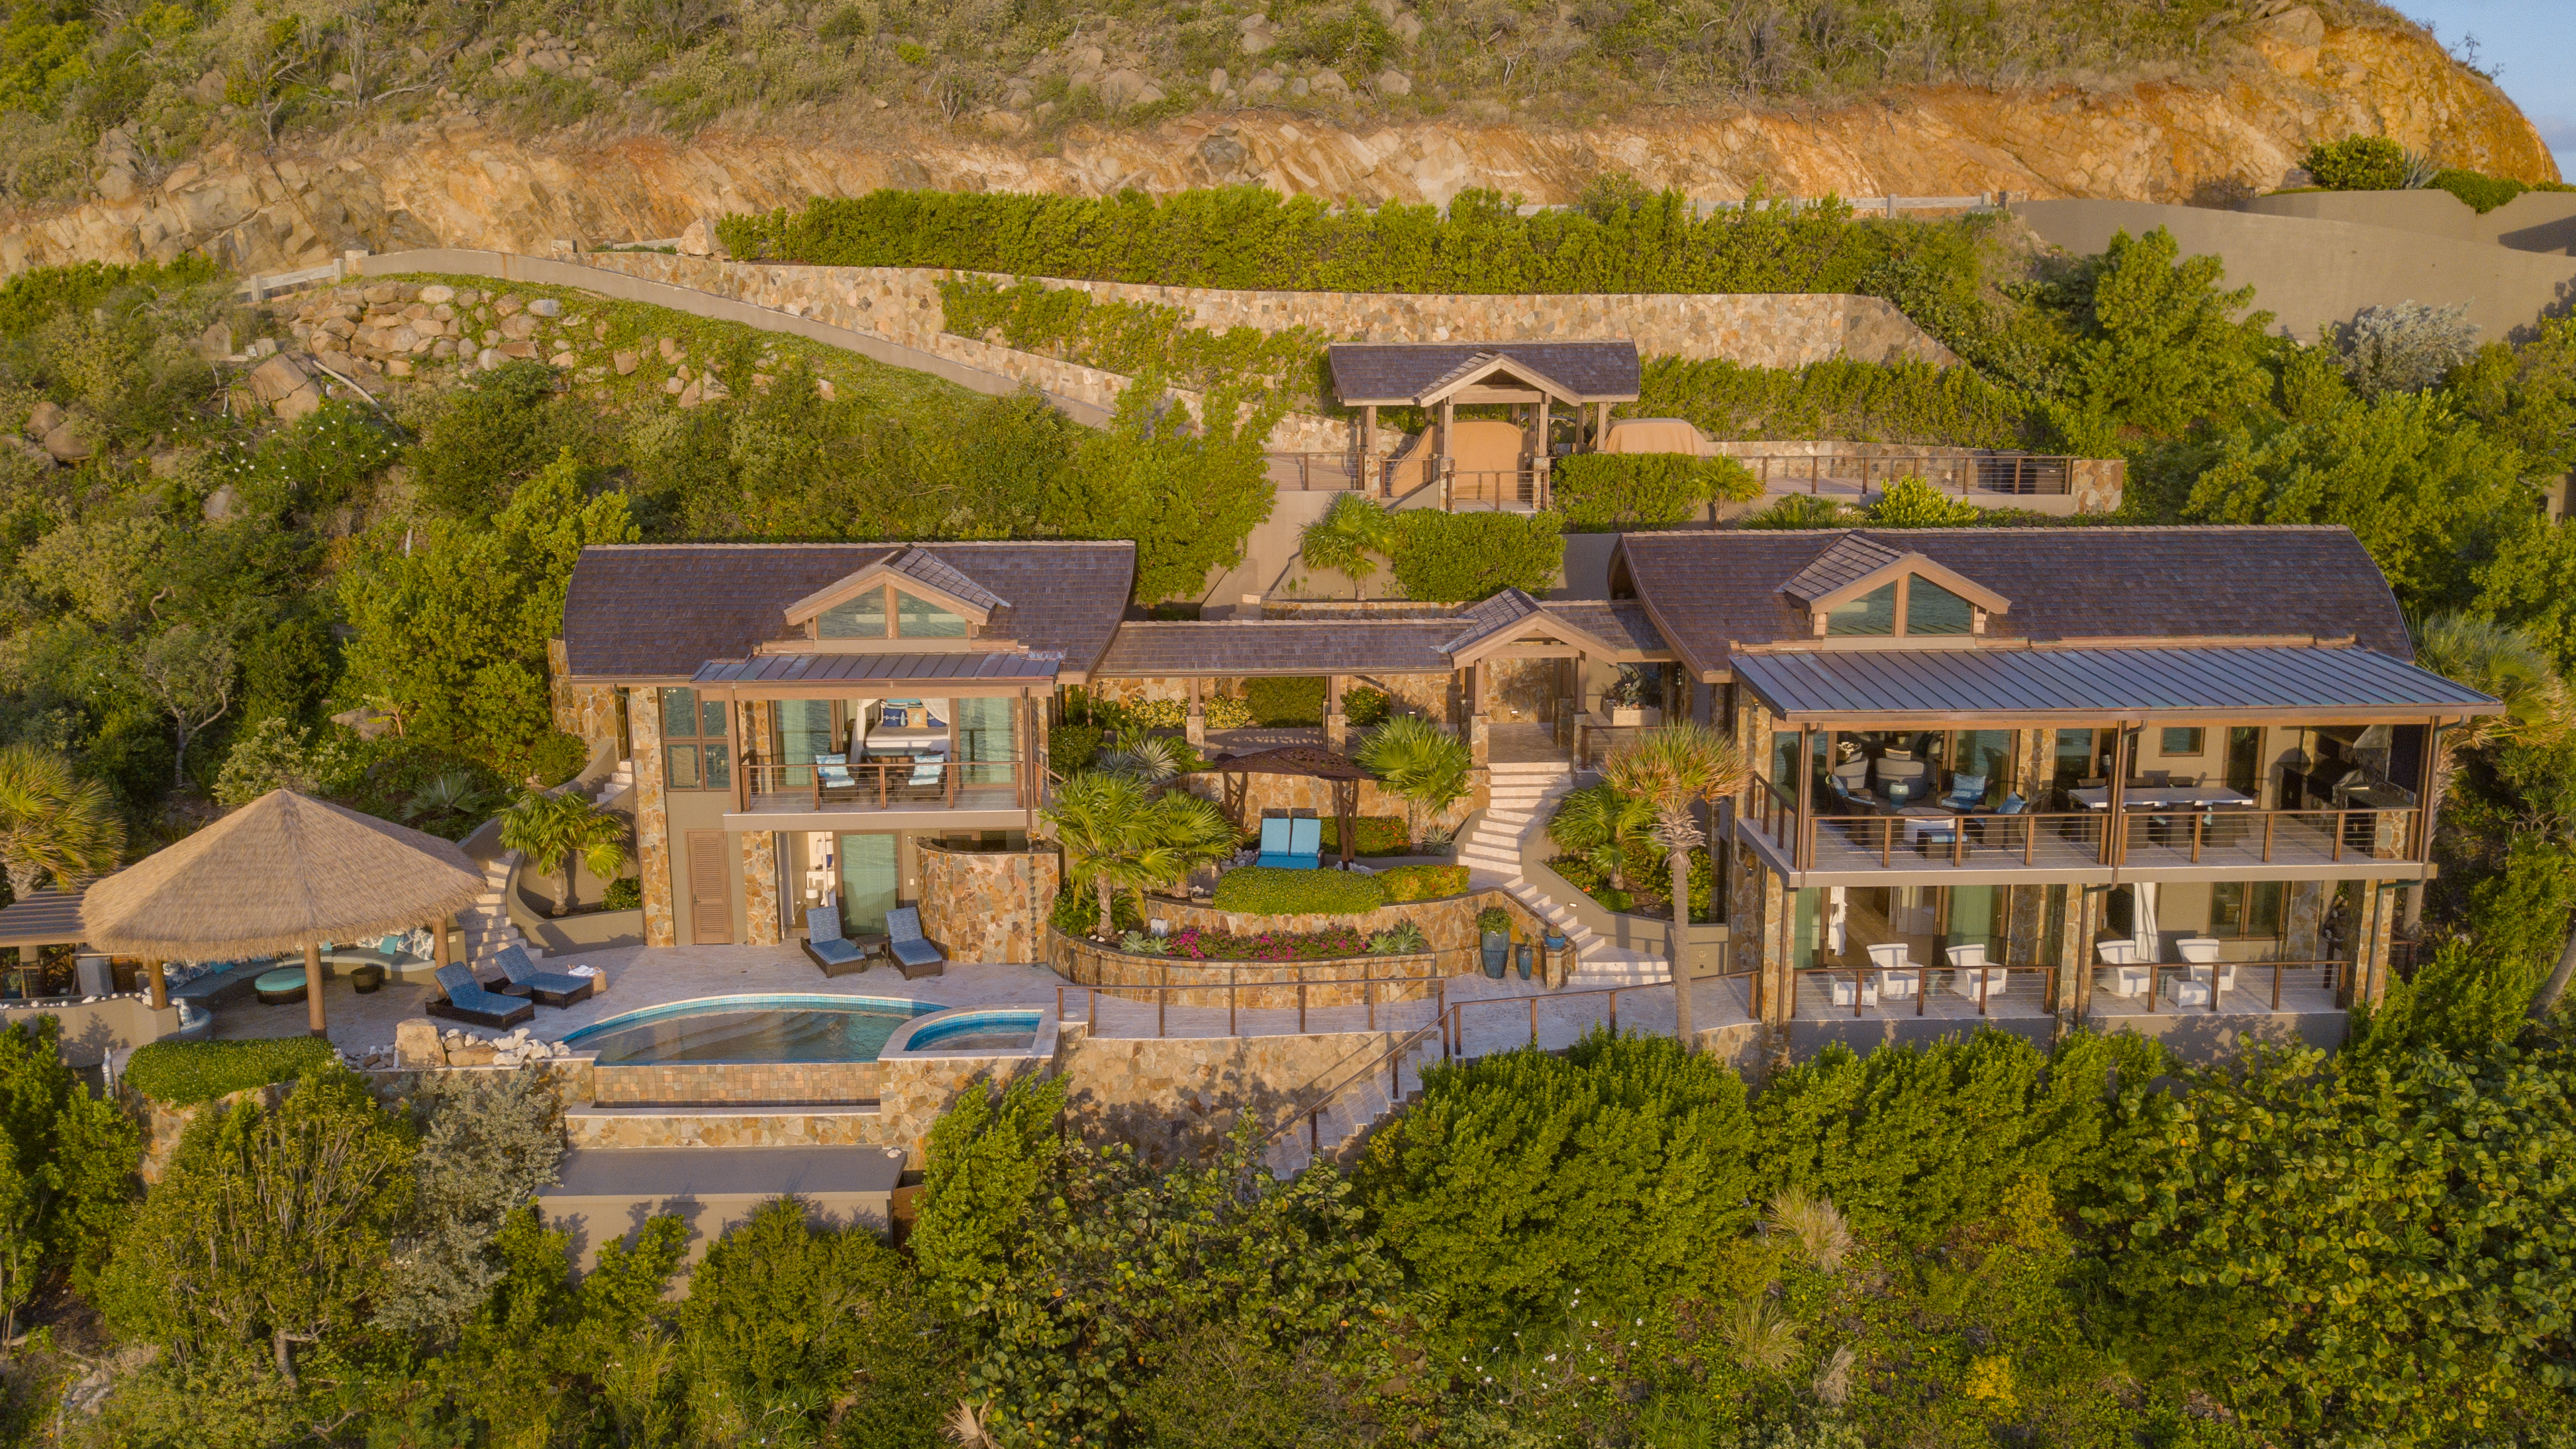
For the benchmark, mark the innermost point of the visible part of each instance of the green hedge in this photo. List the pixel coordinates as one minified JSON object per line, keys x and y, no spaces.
{"x":1377,"y":835}
{"x":1246,"y":237}
{"x":1423,"y":882}
{"x":1870,"y":402}
{"x":1607,"y":492}
{"x":1458,"y":558}
{"x":1281,"y":702}
{"x":182,"y":1073}
{"x":1271,"y":891}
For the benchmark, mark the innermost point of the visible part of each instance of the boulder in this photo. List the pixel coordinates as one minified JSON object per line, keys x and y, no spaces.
{"x":67,"y":443}
{"x":116,"y":184}
{"x":416,"y":1044}
{"x":1407,"y":27}
{"x":546,"y":307}
{"x":434,"y":294}
{"x":519,"y":328}
{"x":1122,"y":88}
{"x":302,"y":402}
{"x":44,"y":419}
{"x":1329,"y":83}
{"x":625,"y":363}
{"x":222,"y":504}
{"x":698,"y":239}
{"x":1393,"y":83}
{"x":276,"y":378}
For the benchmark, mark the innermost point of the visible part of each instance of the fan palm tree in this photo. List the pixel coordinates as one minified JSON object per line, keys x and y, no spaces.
{"x":1149,"y":760}
{"x":1420,"y":761}
{"x":1674,"y":769}
{"x":1341,"y":541}
{"x":2495,"y":659}
{"x":1118,"y":835}
{"x":53,"y":823}
{"x":554,"y":830}
{"x":1599,"y":824}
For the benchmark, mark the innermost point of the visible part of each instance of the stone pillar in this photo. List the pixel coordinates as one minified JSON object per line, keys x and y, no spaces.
{"x":1337,"y":725}
{"x":1777,"y":944}
{"x":1479,"y":726}
{"x":2372,"y":936}
{"x":2303,"y":912}
{"x":1194,"y":729}
{"x":588,"y":711}
{"x":762,"y":923}
{"x":652,"y":818}
{"x":2074,"y":953}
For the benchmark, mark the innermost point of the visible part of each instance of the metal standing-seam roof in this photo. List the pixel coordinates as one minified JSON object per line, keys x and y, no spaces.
{"x":1399,"y":372}
{"x":2220,"y":682}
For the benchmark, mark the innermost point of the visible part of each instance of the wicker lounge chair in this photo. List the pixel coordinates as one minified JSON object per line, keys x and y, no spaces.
{"x":829,"y":949}
{"x":468,"y":1002}
{"x":910,"y":949}
{"x":547,"y":988}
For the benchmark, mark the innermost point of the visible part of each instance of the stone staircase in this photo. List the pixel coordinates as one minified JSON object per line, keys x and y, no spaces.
{"x":1523,"y":797}
{"x":486,"y":924}
{"x":1358,"y":1107}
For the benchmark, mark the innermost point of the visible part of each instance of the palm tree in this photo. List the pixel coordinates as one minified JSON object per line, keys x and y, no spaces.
{"x":1599,"y":824}
{"x":1149,"y":760}
{"x":1342,"y":540}
{"x":553,"y":830}
{"x":1673,"y":769}
{"x":1118,"y":835}
{"x":2495,"y":659}
{"x":1421,"y":762}
{"x":52,"y":823}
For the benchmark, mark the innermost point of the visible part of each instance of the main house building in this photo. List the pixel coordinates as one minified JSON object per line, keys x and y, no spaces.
{"x":2080,"y":754}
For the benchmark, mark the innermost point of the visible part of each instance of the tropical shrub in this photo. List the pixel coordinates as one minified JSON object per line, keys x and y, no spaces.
{"x":1874,"y":402}
{"x":1617,"y":1170}
{"x":1374,"y":835}
{"x":626,"y":893}
{"x":1423,"y":882}
{"x":1120,"y":836}
{"x":1195,"y":944}
{"x":67,"y":1160}
{"x":2484,"y":192}
{"x":1072,"y":747}
{"x":184,"y":1073}
{"x":1426,"y":765}
{"x":2358,"y":163}
{"x":1912,"y":503}
{"x":1363,"y":706}
{"x":1606,"y":492}
{"x":1459,"y":558}
{"x":1285,"y":701}
{"x":1135,"y":337}
{"x":1272,"y":891}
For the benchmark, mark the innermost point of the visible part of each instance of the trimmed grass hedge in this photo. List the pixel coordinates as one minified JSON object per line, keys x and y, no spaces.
{"x":1423,"y":882}
{"x":184,"y":1073}
{"x":1270,"y":891}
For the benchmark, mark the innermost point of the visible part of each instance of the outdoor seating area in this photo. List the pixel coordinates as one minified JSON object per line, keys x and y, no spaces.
{"x":2129,"y":981}
{"x":1291,"y":843}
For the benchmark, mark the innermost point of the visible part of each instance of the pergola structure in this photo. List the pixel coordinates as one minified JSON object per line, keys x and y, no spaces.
{"x":282,"y":873}
{"x":44,"y":918}
{"x":1532,"y":378}
{"x":1304,"y":761}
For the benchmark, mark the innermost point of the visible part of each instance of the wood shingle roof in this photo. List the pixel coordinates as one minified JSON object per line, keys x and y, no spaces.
{"x":1401,"y":372}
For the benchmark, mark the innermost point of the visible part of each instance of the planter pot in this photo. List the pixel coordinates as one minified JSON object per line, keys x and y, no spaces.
{"x":1498,"y":946}
{"x":1526,"y":951}
{"x":367,"y":978}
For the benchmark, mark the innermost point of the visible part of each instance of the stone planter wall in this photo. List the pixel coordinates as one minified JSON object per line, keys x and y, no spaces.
{"x":1247,"y":985}
{"x":988,"y":905}
{"x":1448,"y":923}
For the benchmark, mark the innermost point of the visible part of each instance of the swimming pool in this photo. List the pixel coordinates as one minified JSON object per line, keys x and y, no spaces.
{"x":980,"y":1031}
{"x":751,"y":1029}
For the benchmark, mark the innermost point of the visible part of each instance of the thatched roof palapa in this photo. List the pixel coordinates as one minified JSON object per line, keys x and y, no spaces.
{"x":281,"y":873}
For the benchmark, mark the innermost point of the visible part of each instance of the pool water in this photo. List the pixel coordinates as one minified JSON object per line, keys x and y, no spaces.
{"x":986,"y":1032}
{"x":750,"y":1029}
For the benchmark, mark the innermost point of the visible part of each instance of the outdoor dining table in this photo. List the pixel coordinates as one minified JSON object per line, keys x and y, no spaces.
{"x":2153,"y":796}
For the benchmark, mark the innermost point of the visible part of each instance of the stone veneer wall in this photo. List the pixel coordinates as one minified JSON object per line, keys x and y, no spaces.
{"x":730,"y":1082}
{"x":1176,"y":1098}
{"x":761,"y":926}
{"x":587,"y":711}
{"x":988,"y":905}
{"x":1247,"y":985}
{"x":652,"y":818}
{"x":1303,"y":792}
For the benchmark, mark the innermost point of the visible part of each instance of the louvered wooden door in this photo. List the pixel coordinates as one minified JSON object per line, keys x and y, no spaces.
{"x":710,"y":913}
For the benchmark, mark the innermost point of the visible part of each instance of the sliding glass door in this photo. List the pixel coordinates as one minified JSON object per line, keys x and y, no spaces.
{"x":869,"y":882}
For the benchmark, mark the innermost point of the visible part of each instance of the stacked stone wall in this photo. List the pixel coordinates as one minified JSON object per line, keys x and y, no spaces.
{"x":1448,"y":925}
{"x":983,"y":905}
{"x":1176,"y":1098}
{"x":1246,"y":985}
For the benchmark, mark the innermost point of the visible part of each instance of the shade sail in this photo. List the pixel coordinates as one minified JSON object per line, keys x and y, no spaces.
{"x":282,"y":872}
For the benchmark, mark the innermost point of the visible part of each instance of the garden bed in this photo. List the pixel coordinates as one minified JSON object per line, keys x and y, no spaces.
{"x":1650,"y":886}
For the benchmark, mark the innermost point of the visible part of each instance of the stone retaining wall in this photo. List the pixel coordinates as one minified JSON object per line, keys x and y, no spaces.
{"x":1177,"y":1097}
{"x":740,"y":1082}
{"x":988,"y":905}
{"x":1449,"y":924}
{"x":1244,"y":985}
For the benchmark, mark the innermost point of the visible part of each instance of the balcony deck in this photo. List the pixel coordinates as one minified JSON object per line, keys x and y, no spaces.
{"x":969,"y":797}
{"x":2291,"y":842}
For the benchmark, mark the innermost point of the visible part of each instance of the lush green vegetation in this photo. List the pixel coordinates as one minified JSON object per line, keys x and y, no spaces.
{"x":1265,"y":890}
{"x":1137,"y":338}
{"x":2376,"y":163}
{"x":1898,"y":402}
{"x":184,"y":1073}
{"x":1370,"y":835}
{"x":1607,"y":492}
{"x":1422,"y":882}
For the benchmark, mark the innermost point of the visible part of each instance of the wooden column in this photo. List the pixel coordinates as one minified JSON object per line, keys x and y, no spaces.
{"x":160,"y":985}
{"x":1539,"y":461}
{"x":2112,"y":834}
{"x":439,"y":929}
{"x":1194,"y":727}
{"x":1368,"y":447}
{"x":313,"y":988}
{"x":1448,"y":439}
{"x":1336,"y":728}
{"x":1600,"y":425}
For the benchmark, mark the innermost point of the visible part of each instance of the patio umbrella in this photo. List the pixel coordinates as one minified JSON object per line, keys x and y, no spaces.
{"x":283,"y":873}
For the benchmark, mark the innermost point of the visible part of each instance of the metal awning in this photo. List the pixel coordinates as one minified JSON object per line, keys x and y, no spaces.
{"x":936,"y":674}
{"x":2094,"y":686}
{"x":46,"y":918}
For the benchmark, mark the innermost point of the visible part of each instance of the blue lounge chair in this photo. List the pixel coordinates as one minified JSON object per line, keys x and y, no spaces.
{"x":1967,"y":792}
{"x":911,"y":950}
{"x":1291,"y":844}
{"x":467,"y":1001}
{"x":1274,"y":841}
{"x":548,"y":988}
{"x":827,"y":947}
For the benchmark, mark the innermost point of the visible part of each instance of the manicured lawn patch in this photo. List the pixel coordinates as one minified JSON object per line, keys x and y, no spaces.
{"x":1271,"y":891}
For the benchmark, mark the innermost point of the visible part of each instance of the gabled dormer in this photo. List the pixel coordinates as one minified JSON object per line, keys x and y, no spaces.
{"x":1860,"y":589}
{"x":910,"y":600}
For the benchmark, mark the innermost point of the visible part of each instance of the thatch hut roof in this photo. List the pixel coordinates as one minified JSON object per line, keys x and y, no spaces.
{"x":276,"y":875}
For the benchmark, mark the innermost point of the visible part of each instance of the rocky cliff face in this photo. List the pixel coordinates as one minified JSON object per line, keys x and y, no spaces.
{"x":455,"y":182}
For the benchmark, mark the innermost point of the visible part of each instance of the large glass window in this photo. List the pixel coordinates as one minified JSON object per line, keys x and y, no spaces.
{"x":2181,"y":744}
{"x":694,"y":741}
{"x":1932,"y":609}
{"x":2245,"y":908}
{"x":1871,"y":615}
{"x":984,"y":739}
{"x":2245,"y":759}
{"x":804,"y":731}
{"x":869,"y":882}
{"x":2079,"y":757}
{"x":922,"y":619}
{"x":863,"y":617}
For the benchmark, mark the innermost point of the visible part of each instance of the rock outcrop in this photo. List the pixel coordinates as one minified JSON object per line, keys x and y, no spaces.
{"x":456,"y":182}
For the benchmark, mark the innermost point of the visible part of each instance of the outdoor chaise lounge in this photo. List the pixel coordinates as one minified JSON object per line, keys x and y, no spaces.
{"x":468,"y":1002}
{"x":1292,"y":844}
{"x":828,"y":948}
{"x":548,"y":988}
{"x":910,"y":949}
